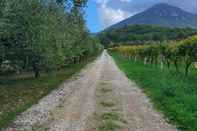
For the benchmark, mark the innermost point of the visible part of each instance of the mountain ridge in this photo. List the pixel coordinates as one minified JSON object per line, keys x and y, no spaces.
{"x":161,"y":14}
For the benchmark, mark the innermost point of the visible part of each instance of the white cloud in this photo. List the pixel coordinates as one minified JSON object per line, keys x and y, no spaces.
{"x":108,"y":15}
{"x":102,"y":2}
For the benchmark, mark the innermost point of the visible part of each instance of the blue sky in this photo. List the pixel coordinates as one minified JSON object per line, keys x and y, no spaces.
{"x":101,"y":14}
{"x":92,"y":17}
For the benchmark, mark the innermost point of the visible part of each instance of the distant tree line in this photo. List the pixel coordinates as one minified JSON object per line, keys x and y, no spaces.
{"x":140,"y":34}
{"x":46,"y":35}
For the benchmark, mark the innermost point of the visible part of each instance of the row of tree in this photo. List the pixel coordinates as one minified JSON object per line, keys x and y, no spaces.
{"x":182,"y":53}
{"x":139,"y":34}
{"x":43,"y":34}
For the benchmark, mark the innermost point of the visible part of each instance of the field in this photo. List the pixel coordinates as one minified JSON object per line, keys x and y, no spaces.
{"x":173,"y":94}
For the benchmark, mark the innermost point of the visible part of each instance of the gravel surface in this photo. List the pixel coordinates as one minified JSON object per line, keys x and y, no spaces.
{"x":75,"y":104}
{"x":137,"y":109}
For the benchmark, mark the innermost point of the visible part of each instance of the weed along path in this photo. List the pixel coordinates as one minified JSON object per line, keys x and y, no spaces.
{"x":100,"y":98}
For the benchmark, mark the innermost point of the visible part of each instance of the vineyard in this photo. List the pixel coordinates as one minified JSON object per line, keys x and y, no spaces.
{"x":166,"y":72}
{"x":180,"y":54}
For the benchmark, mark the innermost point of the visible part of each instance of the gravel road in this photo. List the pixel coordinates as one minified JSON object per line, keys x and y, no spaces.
{"x":75,"y":105}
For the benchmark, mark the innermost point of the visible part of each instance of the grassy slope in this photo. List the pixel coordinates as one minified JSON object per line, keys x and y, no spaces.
{"x":18,"y":93}
{"x":175,"y":96}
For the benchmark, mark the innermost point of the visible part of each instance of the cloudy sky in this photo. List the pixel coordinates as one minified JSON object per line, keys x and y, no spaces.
{"x":103,"y":13}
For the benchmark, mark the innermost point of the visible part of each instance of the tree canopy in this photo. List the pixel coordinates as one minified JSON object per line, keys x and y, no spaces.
{"x":43,"y":34}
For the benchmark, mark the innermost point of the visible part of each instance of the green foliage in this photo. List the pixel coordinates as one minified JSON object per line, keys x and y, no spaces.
{"x":182,"y":53}
{"x":174,"y":95}
{"x":138,"y":34}
{"x":187,"y":50}
{"x":44,"y":35}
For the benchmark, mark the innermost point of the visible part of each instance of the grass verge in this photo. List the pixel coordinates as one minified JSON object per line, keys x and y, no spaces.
{"x":20,"y":92}
{"x":174,"y":95}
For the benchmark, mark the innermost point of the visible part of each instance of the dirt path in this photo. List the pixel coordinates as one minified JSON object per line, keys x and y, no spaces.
{"x":101,"y":98}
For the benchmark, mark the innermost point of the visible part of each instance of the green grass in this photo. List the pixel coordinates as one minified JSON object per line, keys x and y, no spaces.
{"x":174,"y":95}
{"x":20,"y":92}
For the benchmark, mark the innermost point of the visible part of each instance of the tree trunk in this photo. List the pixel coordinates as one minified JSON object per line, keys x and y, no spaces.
{"x":135,"y":58}
{"x":168,"y":64}
{"x":156,"y":62}
{"x":188,"y":64}
{"x":129,"y":57}
{"x":161,"y":65}
{"x":37,"y":74}
{"x":36,"y":69}
{"x":145,"y":61}
{"x":176,"y":66}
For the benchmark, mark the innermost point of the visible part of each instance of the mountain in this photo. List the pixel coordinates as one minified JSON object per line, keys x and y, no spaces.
{"x":163,"y":15}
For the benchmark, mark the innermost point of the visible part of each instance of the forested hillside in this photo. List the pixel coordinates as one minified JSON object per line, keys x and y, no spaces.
{"x":140,"y":34}
{"x":44,"y":35}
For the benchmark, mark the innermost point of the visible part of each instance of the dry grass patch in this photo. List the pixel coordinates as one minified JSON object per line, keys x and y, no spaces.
{"x":111,"y":121}
{"x":107,"y":103}
{"x":106,"y":90}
